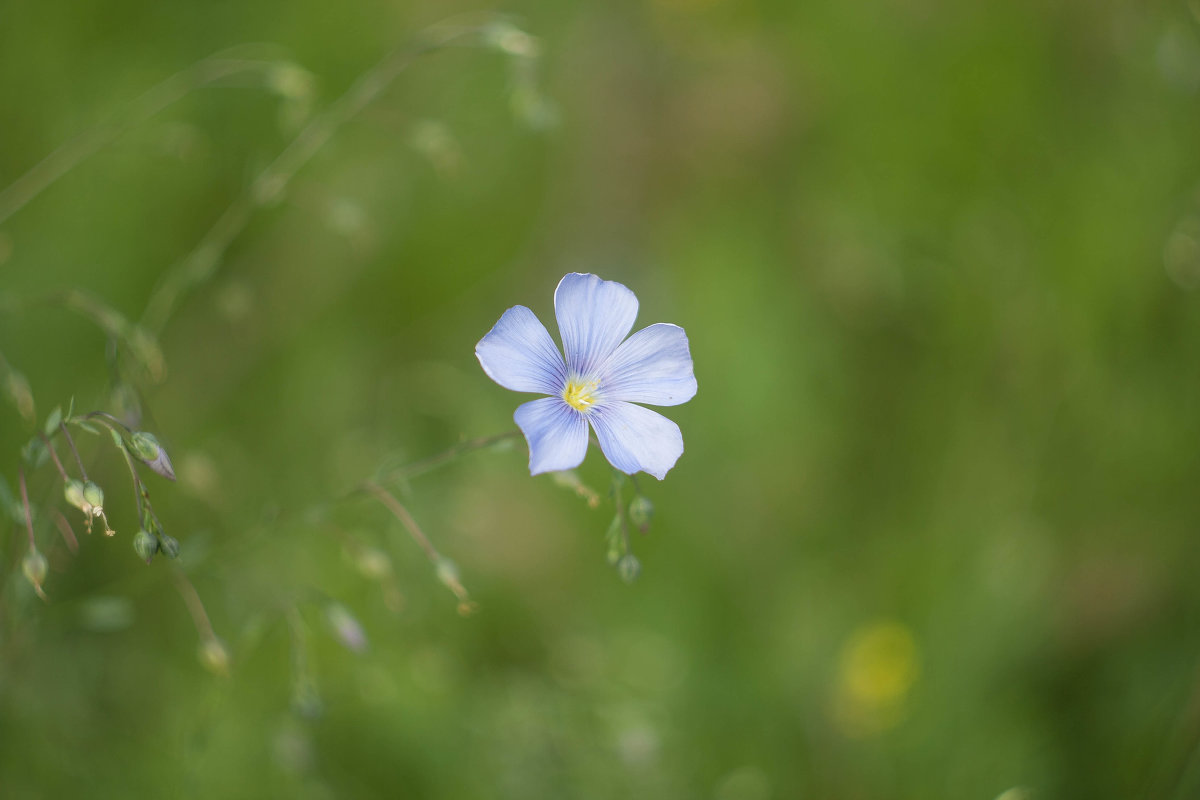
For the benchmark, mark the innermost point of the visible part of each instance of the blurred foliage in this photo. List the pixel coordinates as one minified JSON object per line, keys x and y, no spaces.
{"x":934,"y":534}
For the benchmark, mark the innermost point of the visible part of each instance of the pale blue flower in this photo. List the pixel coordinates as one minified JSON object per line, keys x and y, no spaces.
{"x":603,"y":375}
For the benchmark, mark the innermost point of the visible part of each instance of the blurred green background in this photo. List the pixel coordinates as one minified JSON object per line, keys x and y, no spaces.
{"x":934,"y":531}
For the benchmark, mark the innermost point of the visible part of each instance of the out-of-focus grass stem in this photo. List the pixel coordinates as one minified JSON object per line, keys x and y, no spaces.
{"x":202,"y":262}
{"x":203,"y":73}
{"x":401,"y":513}
{"x":429,"y":464}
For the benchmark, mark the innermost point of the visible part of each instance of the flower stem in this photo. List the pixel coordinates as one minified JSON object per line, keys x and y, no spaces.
{"x":140,"y":495}
{"x":108,"y":419}
{"x":431,"y":463}
{"x":71,"y":443}
{"x":406,"y":519}
{"x":68,"y":533}
{"x":195,"y":606}
{"x":618,"y":481}
{"x":54,"y":166}
{"x":202,"y":262}
{"x":54,"y":456}
{"x":28,"y":512}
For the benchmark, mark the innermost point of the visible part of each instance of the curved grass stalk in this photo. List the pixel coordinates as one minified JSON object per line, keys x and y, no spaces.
{"x":270,"y":184}
{"x":203,"y":73}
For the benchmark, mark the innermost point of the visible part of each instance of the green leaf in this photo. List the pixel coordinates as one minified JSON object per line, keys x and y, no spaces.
{"x":8,"y":502}
{"x":53,"y":421}
{"x":35,"y":453}
{"x":117,"y":439}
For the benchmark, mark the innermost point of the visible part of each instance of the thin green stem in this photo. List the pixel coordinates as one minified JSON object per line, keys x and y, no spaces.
{"x":64,"y":528}
{"x":71,"y":442}
{"x":210,"y":70}
{"x":108,"y":420}
{"x":618,"y":480}
{"x":195,"y":606}
{"x":28,"y":511}
{"x":401,"y":513}
{"x":54,"y":456}
{"x":140,"y":497}
{"x":112,"y":323}
{"x":139,"y":491}
{"x":429,"y":464}
{"x":202,"y":262}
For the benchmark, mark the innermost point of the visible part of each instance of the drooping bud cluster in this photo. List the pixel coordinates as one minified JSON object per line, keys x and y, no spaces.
{"x":152,"y":539}
{"x":638,"y":513}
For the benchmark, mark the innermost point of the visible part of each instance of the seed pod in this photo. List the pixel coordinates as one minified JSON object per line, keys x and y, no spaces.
{"x":169,"y":545}
{"x":629,"y":568}
{"x":641,"y":511}
{"x":145,"y":545}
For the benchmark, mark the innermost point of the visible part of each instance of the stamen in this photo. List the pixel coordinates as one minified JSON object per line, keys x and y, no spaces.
{"x":580,"y":394}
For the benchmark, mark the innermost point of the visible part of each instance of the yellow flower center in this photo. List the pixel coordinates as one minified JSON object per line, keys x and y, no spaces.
{"x":580,"y":394}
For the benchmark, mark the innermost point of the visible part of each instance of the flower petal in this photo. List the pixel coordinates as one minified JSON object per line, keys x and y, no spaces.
{"x":635,"y":438}
{"x":557,"y":434}
{"x":593,"y":317}
{"x":519,"y":354}
{"x":653,"y":366}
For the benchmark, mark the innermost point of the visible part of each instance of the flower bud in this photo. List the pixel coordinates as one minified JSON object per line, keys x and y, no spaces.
{"x":347,"y":629}
{"x":510,"y":40}
{"x":374,"y":564}
{"x":93,"y":498}
{"x":145,"y":545}
{"x":169,"y":545}
{"x":35,"y":567}
{"x":629,"y":568}
{"x":447,"y":573}
{"x":615,"y":541}
{"x":641,"y":511}
{"x":306,"y":698}
{"x":73,"y":492}
{"x":214,"y":656}
{"x":146,"y":448}
{"x":290,"y":80}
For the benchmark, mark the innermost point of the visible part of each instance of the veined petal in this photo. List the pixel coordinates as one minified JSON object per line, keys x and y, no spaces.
{"x":637,"y":439}
{"x":519,"y":354}
{"x":653,"y":366}
{"x":593,"y":317}
{"x":557,"y":434}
